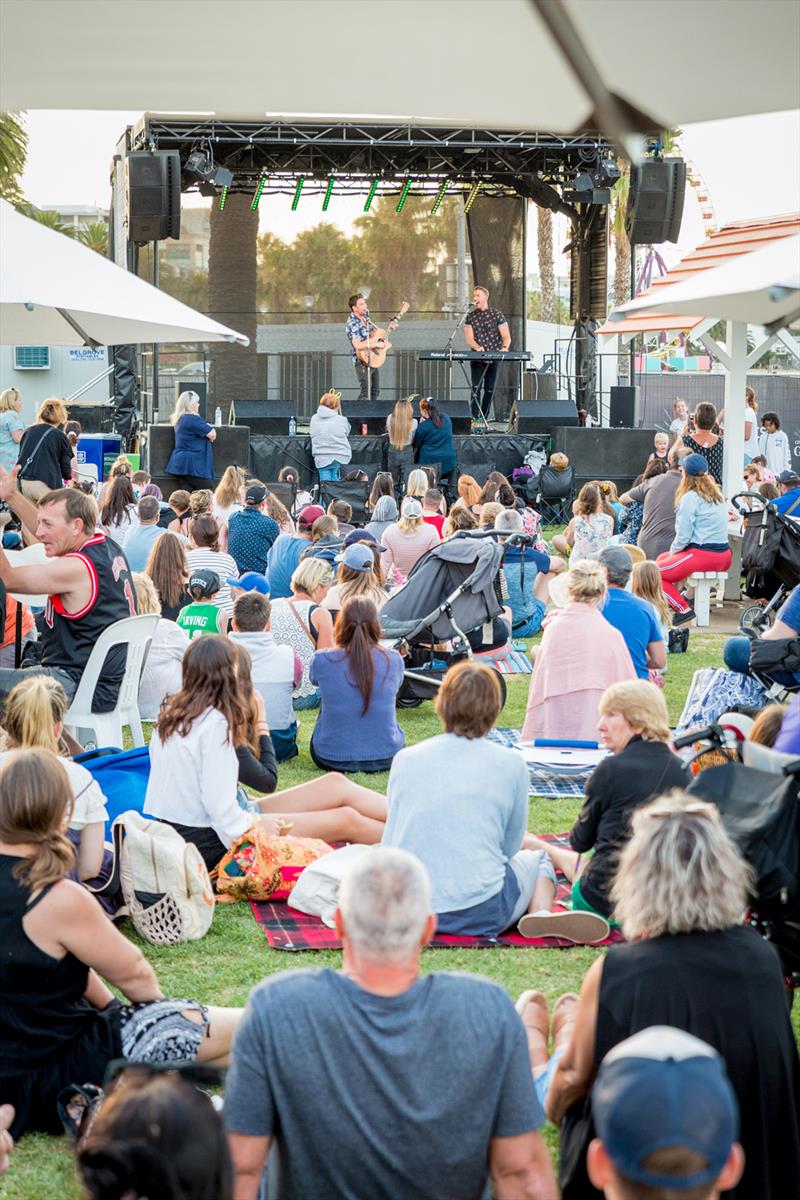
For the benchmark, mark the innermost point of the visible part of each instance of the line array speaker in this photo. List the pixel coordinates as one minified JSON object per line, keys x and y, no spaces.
{"x":153,"y":195}
{"x":655,"y":202}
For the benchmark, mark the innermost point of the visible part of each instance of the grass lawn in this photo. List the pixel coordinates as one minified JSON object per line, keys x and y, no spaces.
{"x":224,"y":966}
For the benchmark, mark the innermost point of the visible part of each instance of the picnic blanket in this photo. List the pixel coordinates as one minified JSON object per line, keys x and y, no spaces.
{"x":287,"y":929}
{"x":547,"y":781}
{"x":516,"y":662}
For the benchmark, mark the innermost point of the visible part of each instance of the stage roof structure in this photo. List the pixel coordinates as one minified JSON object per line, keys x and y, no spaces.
{"x":561,"y":65}
{"x":750,"y":248}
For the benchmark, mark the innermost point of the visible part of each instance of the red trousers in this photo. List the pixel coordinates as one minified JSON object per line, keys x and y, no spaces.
{"x":681,"y":564}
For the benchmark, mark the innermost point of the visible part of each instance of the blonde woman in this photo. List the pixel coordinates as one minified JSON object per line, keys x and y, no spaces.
{"x":329,"y":430}
{"x":45,"y":454}
{"x":356,"y":576}
{"x":408,"y":540}
{"x":417,"y":484}
{"x":401,"y":425}
{"x":229,"y":496}
{"x":11,"y":427}
{"x":701,"y":533}
{"x":192,"y":460}
{"x":580,"y":655}
{"x":161,"y":676}
{"x":488,"y":514}
{"x":689,"y":962}
{"x":303,"y":623}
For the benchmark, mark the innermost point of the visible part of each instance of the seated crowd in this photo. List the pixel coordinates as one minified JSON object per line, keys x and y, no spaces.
{"x":673,"y":1072}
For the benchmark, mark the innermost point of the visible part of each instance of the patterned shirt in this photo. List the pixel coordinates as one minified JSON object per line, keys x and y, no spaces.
{"x":485,"y":325}
{"x":357,"y":329}
{"x":250,"y":535}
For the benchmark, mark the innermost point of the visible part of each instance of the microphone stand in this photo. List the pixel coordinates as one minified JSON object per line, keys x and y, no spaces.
{"x":369,"y":360}
{"x":449,"y":351}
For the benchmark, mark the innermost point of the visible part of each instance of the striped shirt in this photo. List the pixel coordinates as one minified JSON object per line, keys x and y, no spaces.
{"x":223,"y":565}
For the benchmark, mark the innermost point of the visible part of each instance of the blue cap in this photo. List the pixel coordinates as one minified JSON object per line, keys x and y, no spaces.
{"x":663,"y":1087}
{"x":251,"y":581}
{"x":358,"y":557}
{"x":694,"y":464}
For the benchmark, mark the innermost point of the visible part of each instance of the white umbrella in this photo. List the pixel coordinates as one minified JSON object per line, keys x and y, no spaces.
{"x":57,"y":292}
{"x":759,"y":288}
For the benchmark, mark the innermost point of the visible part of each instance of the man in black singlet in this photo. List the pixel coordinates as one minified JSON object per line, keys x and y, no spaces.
{"x":88,"y":584}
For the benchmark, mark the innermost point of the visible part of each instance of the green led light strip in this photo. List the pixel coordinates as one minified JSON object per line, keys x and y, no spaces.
{"x":476,"y":187}
{"x":373,"y":189}
{"x":298,"y":190}
{"x":262,"y":183}
{"x":328,"y":195}
{"x":403,"y":194}
{"x":223,"y":197}
{"x":439,"y":197}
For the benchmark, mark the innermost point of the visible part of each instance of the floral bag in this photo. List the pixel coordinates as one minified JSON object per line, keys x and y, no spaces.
{"x":260,"y":866}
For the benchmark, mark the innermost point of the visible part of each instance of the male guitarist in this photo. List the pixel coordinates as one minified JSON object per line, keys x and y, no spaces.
{"x":359,"y":330}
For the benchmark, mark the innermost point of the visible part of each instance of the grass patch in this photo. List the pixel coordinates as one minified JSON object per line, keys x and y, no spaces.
{"x":234,"y":955}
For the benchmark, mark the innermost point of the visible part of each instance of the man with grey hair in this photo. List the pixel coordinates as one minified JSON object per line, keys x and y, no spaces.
{"x":528,"y":573}
{"x":376,"y":1081}
{"x":657,"y":495}
{"x":635,"y":618}
{"x":143,"y":537}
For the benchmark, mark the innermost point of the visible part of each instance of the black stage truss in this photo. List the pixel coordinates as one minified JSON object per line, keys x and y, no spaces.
{"x":355,"y":153}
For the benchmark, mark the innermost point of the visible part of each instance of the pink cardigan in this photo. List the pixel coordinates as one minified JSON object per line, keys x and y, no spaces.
{"x":579,"y":657}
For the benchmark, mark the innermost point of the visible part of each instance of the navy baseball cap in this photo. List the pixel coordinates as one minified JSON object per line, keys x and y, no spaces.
{"x":788,"y":477}
{"x":694,"y":464}
{"x":361,"y":535}
{"x":663,"y":1087}
{"x":251,"y":581}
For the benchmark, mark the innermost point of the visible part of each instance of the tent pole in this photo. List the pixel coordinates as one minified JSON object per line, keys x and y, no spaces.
{"x":735,"y":384}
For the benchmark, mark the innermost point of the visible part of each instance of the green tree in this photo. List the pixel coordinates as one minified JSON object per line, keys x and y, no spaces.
{"x":51,"y":219}
{"x":321,"y":263}
{"x":95,"y":236}
{"x":547,"y":273}
{"x":13,"y":153}
{"x":191,"y":289}
{"x":401,"y":253}
{"x":559,"y":309}
{"x":619,"y":236}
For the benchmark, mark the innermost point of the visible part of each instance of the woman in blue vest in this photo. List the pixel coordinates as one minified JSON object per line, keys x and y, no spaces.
{"x":433,"y":439}
{"x":192,"y":460}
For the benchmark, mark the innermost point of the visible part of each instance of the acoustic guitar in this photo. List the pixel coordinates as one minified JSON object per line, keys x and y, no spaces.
{"x":380,"y":345}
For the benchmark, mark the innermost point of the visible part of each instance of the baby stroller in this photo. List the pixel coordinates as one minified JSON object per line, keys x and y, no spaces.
{"x":770,"y":550}
{"x":759,"y":801}
{"x":449,"y":593}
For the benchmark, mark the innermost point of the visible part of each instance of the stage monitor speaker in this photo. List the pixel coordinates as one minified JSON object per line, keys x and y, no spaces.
{"x":153,"y":195}
{"x":540,"y":416}
{"x":539,"y":385}
{"x":655,"y":202}
{"x":624,"y":407}
{"x":265,"y":416}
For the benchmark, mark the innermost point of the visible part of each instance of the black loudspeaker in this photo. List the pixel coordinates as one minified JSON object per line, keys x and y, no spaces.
{"x":199,"y":387}
{"x":655,"y":202}
{"x":540,"y":416}
{"x":232,"y":445}
{"x":624,"y":407}
{"x":265,"y":416}
{"x":538,"y":385}
{"x":153,"y":195}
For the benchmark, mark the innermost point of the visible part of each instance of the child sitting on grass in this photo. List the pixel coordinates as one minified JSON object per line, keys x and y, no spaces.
{"x":203,"y":616}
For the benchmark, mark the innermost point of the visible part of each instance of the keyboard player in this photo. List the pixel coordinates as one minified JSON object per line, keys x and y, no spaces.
{"x":486,"y":329}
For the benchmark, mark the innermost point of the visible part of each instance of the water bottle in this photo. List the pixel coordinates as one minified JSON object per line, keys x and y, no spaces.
{"x":292,"y":426}
{"x":218,"y":415}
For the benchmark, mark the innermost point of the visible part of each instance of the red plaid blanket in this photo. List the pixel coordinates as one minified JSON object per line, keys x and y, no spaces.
{"x":287,"y":929}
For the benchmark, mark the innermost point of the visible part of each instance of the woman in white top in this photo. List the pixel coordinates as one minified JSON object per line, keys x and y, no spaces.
{"x":205,"y":555}
{"x":163,"y":669}
{"x":34,"y":719}
{"x":303,"y":623}
{"x":194,"y":767}
{"x":118,"y":514}
{"x":407,"y":541}
{"x":228,"y":498}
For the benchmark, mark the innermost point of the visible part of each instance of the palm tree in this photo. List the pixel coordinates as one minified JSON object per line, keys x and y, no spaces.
{"x":232,"y":278}
{"x":622,"y":246}
{"x":95,"y":236}
{"x":547,"y":274}
{"x":51,"y":219}
{"x":13,"y":152}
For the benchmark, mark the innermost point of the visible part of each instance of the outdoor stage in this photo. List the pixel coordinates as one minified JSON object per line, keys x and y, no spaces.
{"x":615,"y":454}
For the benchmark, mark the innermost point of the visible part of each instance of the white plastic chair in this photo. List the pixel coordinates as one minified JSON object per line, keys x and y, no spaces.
{"x":136,"y":633}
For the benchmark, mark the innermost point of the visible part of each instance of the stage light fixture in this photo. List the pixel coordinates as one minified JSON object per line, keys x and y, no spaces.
{"x":201,"y":163}
{"x":262,"y":183}
{"x":472,"y":197}
{"x":440,"y":195}
{"x":403,"y":195}
{"x":297,"y":192}
{"x":328,"y":194}
{"x":373,"y":189}
{"x":223,"y":198}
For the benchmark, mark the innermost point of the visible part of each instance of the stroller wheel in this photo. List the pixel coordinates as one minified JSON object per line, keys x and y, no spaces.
{"x":754,"y":617}
{"x":408,"y":701}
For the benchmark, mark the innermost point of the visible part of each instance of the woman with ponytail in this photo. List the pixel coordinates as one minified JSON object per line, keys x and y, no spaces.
{"x":156,"y":1135}
{"x":34,"y":720}
{"x":358,"y":682}
{"x":59,"y":1022}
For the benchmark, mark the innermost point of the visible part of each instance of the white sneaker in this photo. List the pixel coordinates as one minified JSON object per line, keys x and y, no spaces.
{"x":583,"y":928}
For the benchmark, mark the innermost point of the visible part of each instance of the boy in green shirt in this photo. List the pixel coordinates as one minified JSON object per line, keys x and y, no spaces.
{"x":203,"y":615}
